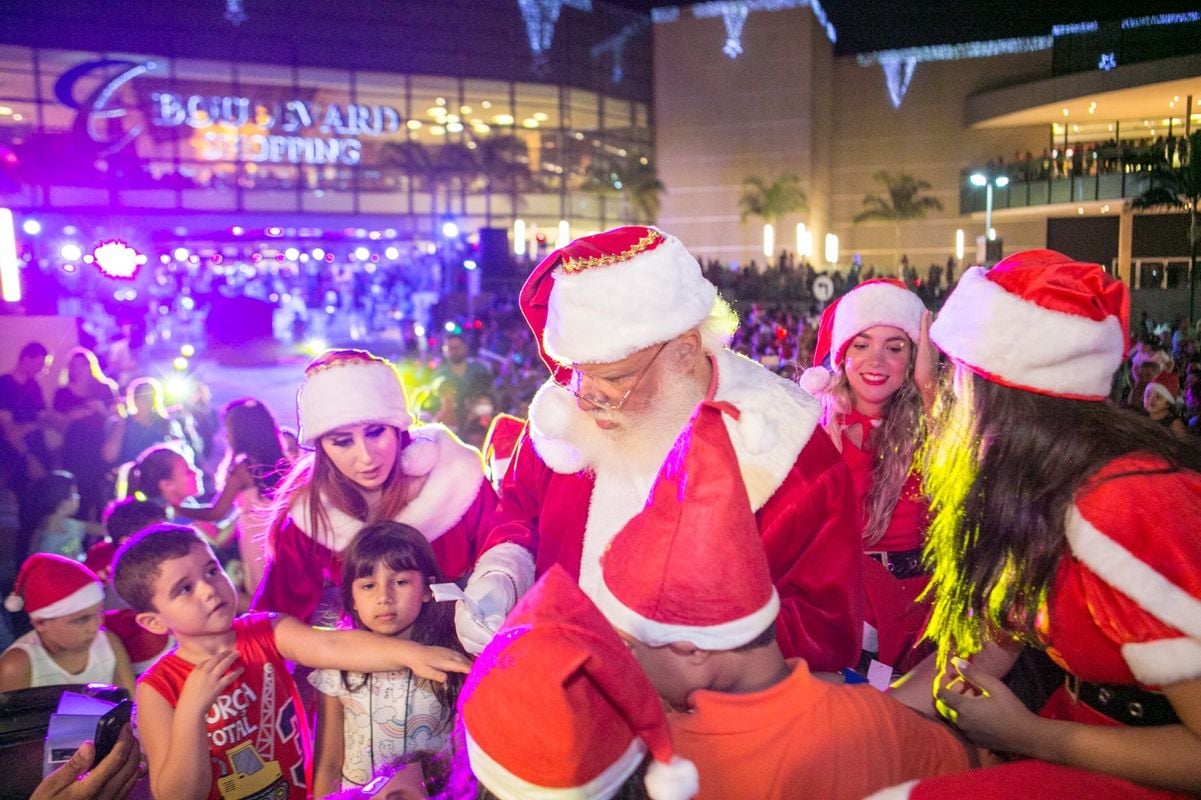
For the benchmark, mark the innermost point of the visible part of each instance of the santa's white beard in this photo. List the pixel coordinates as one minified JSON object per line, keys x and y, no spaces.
{"x":640,"y":443}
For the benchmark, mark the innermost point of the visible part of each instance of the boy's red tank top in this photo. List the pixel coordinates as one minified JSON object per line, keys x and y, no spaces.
{"x":258,"y":739}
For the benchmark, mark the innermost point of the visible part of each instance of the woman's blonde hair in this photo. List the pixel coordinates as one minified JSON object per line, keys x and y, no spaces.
{"x":897,"y":440}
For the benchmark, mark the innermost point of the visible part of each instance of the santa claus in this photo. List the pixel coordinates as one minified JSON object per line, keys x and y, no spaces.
{"x":635,"y":338}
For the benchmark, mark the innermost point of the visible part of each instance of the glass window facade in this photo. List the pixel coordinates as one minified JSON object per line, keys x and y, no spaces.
{"x":90,"y":130}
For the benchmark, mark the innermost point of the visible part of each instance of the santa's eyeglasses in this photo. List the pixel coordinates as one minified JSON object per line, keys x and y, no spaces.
{"x":574,"y":383}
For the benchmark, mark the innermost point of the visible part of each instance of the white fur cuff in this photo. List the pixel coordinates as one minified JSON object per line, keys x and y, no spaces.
{"x":1165,"y":662}
{"x":507,"y":558}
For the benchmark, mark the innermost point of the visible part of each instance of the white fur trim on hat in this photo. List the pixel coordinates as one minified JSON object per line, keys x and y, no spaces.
{"x":875,"y":304}
{"x":815,"y":379}
{"x":507,"y":786}
{"x":1021,"y":344}
{"x":677,"y":780}
{"x":726,"y":636}
{"x":351,"y":393}
{"x":1155,"y":387}
{"x":603,"y":314}
{"x":86,"y":596}
{"x":902,"y":791}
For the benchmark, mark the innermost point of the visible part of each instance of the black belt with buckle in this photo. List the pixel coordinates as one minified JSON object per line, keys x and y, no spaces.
{"x":1129,"y":705}
{"x":901,"y":563}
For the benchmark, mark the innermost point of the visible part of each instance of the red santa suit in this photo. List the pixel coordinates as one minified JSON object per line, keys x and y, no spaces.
{"x":453,"y":507}
{"x":555,"y":509}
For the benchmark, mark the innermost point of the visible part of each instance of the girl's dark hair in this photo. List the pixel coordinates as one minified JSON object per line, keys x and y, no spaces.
{"x":44,"y":497}
{"x":402,"y":547}
{"x":154,"y":465}
{"x":251,"y":430}
{"x":1002,"y":468}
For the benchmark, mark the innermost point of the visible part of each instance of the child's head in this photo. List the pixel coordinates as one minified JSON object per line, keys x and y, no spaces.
{"x":124,"y":518}
{"x":386,"y":574}
{"x":686,"y":581}
{"x":53,"y":493}
{"x":165,"y":474}
{"x":62,"y":598}
{"x":170,"y":577}
{"x":556,"y":701}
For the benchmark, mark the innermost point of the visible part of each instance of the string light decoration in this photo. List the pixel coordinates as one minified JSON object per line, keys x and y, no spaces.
{"x":540,"y":17}
{"x":897,"y":75}
{"x":234,"y":12}
{"x":1074,"y":28}
{"x":1184,"y":18}
{"x":616,"y":45}
{"x":1108,"y":61}
{"x":734,"y":14}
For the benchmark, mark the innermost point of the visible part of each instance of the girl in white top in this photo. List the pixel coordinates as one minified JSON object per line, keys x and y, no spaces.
{"x":367,"y":722}
{"x":67,"y":645}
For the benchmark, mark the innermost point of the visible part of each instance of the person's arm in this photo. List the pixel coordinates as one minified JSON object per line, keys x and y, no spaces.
{"x":15,"y":670}
{"x":363,"y":651}
{"x":176,"y":739}
{"x":238,"y":480}
{"x":115,"y":432}
{"x":1178,"y":429}
{"x":328,"y":749}
{"x":811,"y":534}
{"x":111,"y":779}
{"x":925,"y":365}
{"x":123,"y":669}
{"x":1165,"y":756}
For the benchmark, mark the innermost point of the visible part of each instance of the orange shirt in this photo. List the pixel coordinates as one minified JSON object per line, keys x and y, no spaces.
{"x":805,"y":737}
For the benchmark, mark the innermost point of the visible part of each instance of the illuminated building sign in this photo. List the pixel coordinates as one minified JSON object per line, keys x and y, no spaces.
{"x":228,"y":127}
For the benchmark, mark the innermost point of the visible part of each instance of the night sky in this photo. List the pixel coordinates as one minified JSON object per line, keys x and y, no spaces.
{"x":865,"y":25}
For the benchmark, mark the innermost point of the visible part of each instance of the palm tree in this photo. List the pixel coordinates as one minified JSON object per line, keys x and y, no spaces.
{"x":902,"y":204}
{"x":1178,"y":188}
{"x":771,"y":202}
{"x":504,"y":163}
{"x":633,"y":179}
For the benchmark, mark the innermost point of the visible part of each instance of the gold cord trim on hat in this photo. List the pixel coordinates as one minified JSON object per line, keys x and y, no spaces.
{"x":574,"y":265}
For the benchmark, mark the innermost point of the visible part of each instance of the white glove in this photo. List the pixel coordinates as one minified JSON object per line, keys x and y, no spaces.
{"x":494,"y":594}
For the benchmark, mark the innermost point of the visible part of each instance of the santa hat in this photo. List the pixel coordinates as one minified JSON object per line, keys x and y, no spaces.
{"x":557,"y":707}
{"x":605,"y":296}
{"x":50,"y":586}
{"x":690,"y":567}
{"x":100,"y":556}
{"x":500,"y":443}
{"x":1155,"y":387}
{"x":1040,"y":322}
{"x":881,"y":301}
{"x":353,"y":387}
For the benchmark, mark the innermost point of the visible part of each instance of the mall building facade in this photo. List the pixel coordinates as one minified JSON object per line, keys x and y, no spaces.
{"x":239,"y":128}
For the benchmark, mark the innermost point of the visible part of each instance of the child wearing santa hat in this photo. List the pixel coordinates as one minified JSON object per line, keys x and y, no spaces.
{"x":368,"y":463}
{"x":687,"y":585}
{"x":1042,"y":535}
{"x":67,"y":644}
{"x":556,"y":708}
{"x":880,"y":382}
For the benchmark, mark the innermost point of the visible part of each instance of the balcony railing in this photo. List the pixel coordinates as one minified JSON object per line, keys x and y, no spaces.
{"x":1052,"y":190}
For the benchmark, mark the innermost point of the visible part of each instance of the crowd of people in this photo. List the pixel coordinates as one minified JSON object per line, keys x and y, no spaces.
{"x":1081,"y":159}
{"x":922,"y":565}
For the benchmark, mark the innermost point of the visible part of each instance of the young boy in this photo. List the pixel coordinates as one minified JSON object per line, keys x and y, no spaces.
{"x":67,"y":645}
{"x":219,"y":717}
{"x":687,"y":584}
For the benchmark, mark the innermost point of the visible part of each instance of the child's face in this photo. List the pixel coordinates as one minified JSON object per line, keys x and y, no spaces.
{"x":389,"y":601}
{"x":183,"y":483}
{"x":192,"y":596}
{"x":674,"y":674}
{"x":72,"y":633}
{"x":363,"y":453}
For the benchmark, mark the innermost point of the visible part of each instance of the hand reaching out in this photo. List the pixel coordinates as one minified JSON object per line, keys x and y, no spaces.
{"x":985,"y":709}
{"x":433,"y":663}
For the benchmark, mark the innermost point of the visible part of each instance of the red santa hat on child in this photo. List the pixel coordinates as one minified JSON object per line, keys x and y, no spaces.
{"x":1040,"y":322}
{"x":1155,"y":387}
{"x":557,"y":707}
{"x":143,"y":647}
{"x":690,"y":567}
{"x":353,"y":387}
{"x":50,"y":586}
{"x":605,"y":296}
{"x":880,"y":301}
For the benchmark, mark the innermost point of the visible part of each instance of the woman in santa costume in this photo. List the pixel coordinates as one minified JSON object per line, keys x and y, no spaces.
{"x":635,"y":338}
{"x":881,"y":381}
{"x":368,"y":463}
{"x":1065,"y":525}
